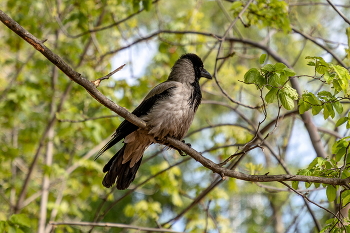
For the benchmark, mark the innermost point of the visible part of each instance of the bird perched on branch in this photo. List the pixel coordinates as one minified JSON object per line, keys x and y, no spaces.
{"x":168,"y":110}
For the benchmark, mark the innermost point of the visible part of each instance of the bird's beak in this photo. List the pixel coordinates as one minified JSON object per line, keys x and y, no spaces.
{"x":205,"y":74}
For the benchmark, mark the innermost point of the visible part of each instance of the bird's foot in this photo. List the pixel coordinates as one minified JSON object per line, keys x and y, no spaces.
{"x":181,"y":152}
{"x":188,"y":144}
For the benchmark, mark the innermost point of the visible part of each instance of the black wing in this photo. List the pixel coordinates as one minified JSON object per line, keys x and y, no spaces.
{"x":126,"y":128}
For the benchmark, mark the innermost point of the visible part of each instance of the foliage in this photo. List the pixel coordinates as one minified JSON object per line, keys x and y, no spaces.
{"x":275,"y":79}
{"x":51,"y":127}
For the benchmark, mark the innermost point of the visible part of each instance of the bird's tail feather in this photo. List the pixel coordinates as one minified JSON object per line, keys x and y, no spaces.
{"x":116,"y":170}
{"x":115,"y":139}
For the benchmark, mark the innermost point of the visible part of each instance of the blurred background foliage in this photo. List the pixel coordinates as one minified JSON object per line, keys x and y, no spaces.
{"x":46,"y":116}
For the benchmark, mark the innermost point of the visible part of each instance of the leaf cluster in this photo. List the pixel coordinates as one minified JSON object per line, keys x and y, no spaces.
{"x":271,"y":13}
{"x":19,"y":223}
{"x":273,"y":77}
{"x":335,"y":76}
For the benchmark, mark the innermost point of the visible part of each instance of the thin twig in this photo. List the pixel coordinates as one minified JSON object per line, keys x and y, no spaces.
{"x":339,"y":13}
{"x":98,"y":81}
{"x":222,"y":40}
{"x":320,"y":45}
{"x":306,"y":198}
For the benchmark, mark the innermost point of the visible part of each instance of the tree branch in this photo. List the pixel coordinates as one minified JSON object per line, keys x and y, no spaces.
{"x":114,"y":225}
{"x":339,"y":13}
{"x":320,"y":45}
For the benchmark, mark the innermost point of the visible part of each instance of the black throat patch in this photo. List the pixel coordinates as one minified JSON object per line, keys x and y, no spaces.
{"x":196,"y":96}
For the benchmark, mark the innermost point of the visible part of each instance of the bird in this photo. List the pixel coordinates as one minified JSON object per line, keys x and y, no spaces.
{"x":168,"y":110}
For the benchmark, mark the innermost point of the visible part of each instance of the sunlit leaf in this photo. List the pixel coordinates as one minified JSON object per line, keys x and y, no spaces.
{"x":331,"y":192}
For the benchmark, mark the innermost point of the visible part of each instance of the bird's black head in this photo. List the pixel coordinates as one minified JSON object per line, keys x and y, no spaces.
{"x":197,"y":65}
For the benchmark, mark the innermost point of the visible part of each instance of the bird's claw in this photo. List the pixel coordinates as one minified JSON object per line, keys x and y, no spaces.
{"x":181,"y":152}
{"x":188,"y":144}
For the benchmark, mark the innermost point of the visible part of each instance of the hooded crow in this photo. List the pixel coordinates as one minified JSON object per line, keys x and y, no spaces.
{"x":168,"y":110}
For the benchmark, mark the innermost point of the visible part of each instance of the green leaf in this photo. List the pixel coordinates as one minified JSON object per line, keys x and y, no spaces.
{"x":340,"y":153}
{"x":338,"y":107}
{"x":260,"y":81}
{"x":310,"y":57}
{"x":345,"y":197}
{"x":341,"y":121}
{"x":236,"y":4}
{"x":304,"y":172}
{"x":309,"y":99}
{"x":136,"y":5}
{"x":311,"y":63}
{"x":328,"y":111}
{"x":321,"y":65}
{"x":2,"y":226}
{"x":317,"y":161}
{"x":343,"y":75}
{"x":291,"y":92}
{"x":271,"y":96}
{"x":251,"y":76}
{"x":331,"y":192}
{"x":321,"y":68}
{"x":280,"y":66}
{"x":288,"y":72}
{"x":274,"y":80}
{"x":11,"y":229}
{"x":336,"y":85}
{"x":325,"y":94}
{"x":286,"y":101}
{"x":287,"y":96}
{"x":328,"y":77}
{"x":316,"y":109}
{"x":303,"y":106}
{"x":176,"y":199}
{"x":262,"y":58}
{"x":147,"y":4}
{"x":312,"y":99}
{"x":268,"y":67}
{"x":20,"y":219}
{"x":295,"y":184}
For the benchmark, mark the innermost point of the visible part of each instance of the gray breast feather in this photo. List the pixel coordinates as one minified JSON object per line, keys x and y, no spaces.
{"x":171,"y":116}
